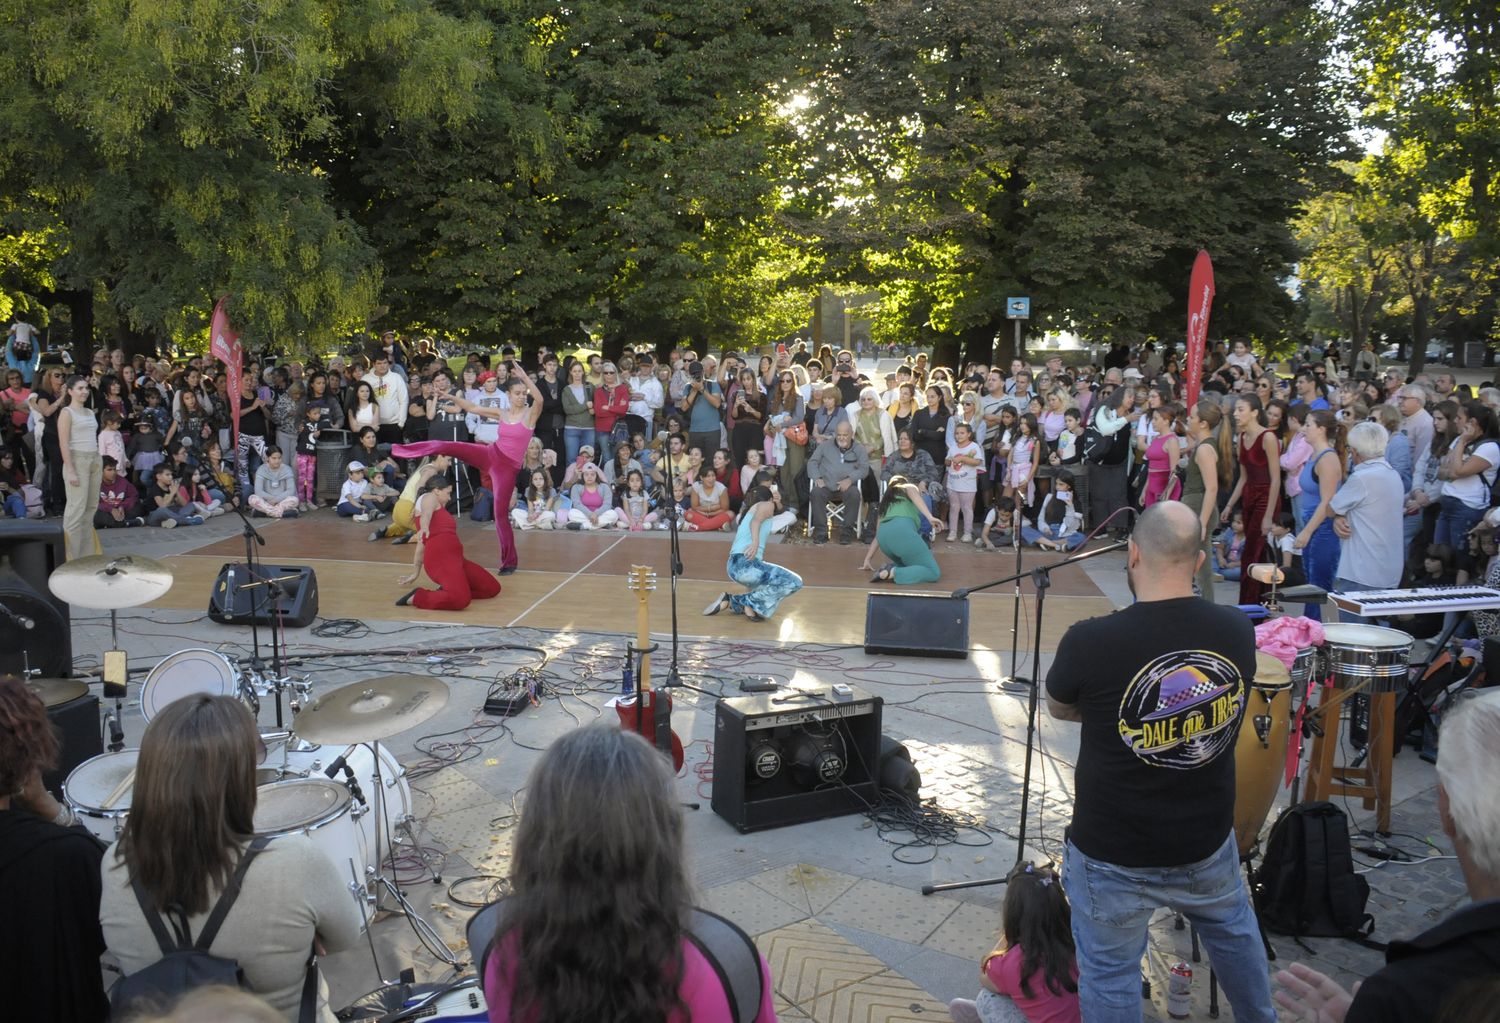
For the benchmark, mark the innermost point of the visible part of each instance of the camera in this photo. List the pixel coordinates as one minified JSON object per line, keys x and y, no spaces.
{"x":695,"y":370}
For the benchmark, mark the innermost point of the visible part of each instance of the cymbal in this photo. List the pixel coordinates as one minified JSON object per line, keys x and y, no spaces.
{"x":56,"y":691}
{"x":110,"y":583}
{"x":371,"y":709}
{"x":1265,"y":572}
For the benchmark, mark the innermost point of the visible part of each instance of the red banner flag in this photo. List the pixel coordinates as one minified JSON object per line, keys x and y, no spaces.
{"x":224,"y":345}
{"x":1200,"y":301}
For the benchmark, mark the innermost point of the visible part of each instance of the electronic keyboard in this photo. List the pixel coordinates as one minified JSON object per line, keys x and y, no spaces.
{"x":1422,"y":600}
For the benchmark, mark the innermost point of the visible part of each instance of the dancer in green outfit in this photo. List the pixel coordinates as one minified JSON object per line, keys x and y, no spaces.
{"x":898,"y":535}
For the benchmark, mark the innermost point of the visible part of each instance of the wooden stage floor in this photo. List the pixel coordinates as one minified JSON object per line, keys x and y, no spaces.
{"x":576,"y":581}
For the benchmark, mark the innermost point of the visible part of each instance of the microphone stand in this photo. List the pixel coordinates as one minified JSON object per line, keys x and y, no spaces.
{"x":674,"y":678}
{"x":1041,"y":580}
{"x":1015,"y":680}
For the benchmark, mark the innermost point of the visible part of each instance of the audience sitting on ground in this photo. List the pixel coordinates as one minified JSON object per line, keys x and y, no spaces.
{"x":119,"y":504}
{"x":276,"y":487}
{"x":352,"y":498}
{"x":166,"y":504}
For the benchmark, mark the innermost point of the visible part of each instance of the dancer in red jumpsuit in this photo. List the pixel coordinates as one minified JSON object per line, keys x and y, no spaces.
{"x":440,"y":552}
{"x":501,"y":459}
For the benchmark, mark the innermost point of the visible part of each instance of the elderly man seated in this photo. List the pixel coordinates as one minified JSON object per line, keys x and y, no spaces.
{"x":834,"y":473}
{"x":1430,"y":976}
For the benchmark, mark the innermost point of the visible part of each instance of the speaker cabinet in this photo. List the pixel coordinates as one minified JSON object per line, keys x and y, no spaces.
{"x":780,"y":759}
{"x":917,"y":625}
{"x":29,"y":552}
{"x":82,"y":737}
{"x":240,"y":596}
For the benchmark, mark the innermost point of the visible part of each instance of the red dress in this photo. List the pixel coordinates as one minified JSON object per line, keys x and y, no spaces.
{"x":1255,"y":497}
{"x":443,"y":559}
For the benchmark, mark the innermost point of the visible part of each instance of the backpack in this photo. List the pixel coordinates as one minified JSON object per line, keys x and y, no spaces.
{"x":186,"y":964}
{"x":1099,"y":448}
{"x":35,"y":509}
{"x":728,"y":949}
{"x":1305,"y":885}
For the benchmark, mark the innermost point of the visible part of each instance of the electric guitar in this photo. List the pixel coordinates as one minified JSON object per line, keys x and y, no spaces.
{"x":648,"y":712}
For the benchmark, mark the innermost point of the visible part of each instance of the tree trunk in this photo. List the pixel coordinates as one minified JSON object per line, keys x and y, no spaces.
{"x":1420,"y":307}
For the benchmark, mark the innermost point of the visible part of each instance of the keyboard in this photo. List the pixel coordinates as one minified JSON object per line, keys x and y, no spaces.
{"x":1423,"y":600}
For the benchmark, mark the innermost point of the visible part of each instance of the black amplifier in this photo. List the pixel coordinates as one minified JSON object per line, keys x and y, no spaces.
{"x":795,"y":755}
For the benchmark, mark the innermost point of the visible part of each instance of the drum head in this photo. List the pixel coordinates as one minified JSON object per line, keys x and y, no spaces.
{"x":186,"y":673}
{"x":290,"y":806}
{"x":1270,"y":673}
{"x":1352,"y":634}
{"x":92,"y":781}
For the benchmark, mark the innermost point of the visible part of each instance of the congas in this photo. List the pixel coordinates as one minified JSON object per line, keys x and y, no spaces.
{"x":1260,"y":751}
{"x":98,"y":791}
{"x":1367,"y":656}
{"x":186,"y":673}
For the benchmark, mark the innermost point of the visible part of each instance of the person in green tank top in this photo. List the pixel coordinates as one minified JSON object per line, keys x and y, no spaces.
{"x":1208,"y":468}
{"x":899,"y":537}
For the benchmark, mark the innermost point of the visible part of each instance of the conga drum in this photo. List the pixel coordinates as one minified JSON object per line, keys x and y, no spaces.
{"x":1260,"y":751}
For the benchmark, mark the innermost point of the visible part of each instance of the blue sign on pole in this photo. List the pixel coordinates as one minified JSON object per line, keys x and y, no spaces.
{"x":1018,"y":308}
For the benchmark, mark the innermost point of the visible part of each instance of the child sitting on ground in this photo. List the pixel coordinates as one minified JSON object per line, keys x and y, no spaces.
{"x":1228,"y":549}
{"x":1033,"y":972}
{"x":542,"y":503}
{"x":275,"y":487}
{"x":381,"y":495}
{"x":998,"y":528}
{"x":117,"y":499}
{"x":352,"y":503}
{"x":635,"y":503}
{"x":1059,"y":526}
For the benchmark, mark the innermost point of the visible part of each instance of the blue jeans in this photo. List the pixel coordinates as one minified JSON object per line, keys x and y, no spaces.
{"x":1112,"y":909}
{"x":925,"y":526}
{"x":575,"y":437}
{"x":1320,"y":563}
{"x":1454,"y":521}
{"x":484,"y":506}
{"x":1230,"y":572}
{"x":1070,"y":542}
{"x":769,"y":585}
{"x":15,"y":506}
{"x":181,"y":516}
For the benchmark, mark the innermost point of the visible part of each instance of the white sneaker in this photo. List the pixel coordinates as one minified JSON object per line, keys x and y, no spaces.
{"x":361,"y":518}
{"x":169,"y":523}
{"x":215,"y":512}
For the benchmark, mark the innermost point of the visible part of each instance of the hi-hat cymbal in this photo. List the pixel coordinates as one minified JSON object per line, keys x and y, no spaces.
{"x":1265,"y":572}
{"x":371,"y":709}
{"x":110,"y":583}
{"x":57,"y":691}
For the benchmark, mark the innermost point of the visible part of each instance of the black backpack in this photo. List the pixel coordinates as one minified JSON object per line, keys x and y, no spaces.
{"x":1305,"y":885}
{"x":186,"y":964}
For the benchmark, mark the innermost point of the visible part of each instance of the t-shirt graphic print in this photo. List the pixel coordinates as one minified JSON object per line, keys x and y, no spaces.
{"x":1181,"y":710}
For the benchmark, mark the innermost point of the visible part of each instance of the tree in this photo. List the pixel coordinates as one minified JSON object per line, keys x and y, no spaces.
{"x":1344,"y":262}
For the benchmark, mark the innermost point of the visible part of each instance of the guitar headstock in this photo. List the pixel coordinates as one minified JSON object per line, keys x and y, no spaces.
{"x":641,"y":579}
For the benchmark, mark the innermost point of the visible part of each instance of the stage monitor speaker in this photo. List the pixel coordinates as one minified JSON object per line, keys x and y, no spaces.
{"x":917,"y":625}
{"x":78,"y":723}
{"x":29,"y":551}
{"x":783,"y":759}
{"x":237,"y":600}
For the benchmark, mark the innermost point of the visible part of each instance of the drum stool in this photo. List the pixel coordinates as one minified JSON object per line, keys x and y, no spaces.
{"x":1370,"y":781}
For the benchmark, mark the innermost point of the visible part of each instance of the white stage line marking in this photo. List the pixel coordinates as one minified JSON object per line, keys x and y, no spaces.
{"x":540,"y":600}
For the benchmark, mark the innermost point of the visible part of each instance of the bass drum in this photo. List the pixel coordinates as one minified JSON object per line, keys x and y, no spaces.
{"x":1260,"y":751}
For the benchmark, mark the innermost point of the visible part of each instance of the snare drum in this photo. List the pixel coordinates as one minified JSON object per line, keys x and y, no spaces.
{"x":1367,"y":656}
{"x":89,"y":786}
{"x":186,"y":673}
{"x":323,"y":811}
{"x":1260,"y":750}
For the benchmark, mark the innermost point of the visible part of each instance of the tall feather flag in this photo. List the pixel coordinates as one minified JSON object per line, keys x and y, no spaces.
{"x":1200,"y":302}
{"x":224,"y":345}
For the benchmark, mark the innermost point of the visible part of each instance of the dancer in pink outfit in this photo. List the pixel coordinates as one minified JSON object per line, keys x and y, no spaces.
{"x":502,"y":459}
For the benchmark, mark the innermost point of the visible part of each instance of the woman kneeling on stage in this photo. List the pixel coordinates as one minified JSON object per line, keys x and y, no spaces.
{"x":190,"y":838}
{"x":898,"y":534}
{"x":769,"y":584}
{"x":442,"y":554}
{"x":577,"y":942}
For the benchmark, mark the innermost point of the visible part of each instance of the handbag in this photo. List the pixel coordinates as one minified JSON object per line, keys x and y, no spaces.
{"x":797,"y":434}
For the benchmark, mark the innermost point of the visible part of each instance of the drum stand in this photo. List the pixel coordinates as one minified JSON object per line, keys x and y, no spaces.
{"x":1041,"y":580}
{"x":1370,"y":781}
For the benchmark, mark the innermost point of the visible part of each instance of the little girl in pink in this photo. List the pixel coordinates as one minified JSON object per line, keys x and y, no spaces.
{"x":964,"y":459}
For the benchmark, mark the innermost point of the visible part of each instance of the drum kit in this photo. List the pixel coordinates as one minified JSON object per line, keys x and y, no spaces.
{"x":1354,"y":658}
{"x":325,"y":775}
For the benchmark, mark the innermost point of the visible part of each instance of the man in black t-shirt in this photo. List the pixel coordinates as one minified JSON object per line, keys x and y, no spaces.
{"x":1153,"y":819}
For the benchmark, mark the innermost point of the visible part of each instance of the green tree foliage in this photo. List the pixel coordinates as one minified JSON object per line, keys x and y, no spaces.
{"x":960,"y":153}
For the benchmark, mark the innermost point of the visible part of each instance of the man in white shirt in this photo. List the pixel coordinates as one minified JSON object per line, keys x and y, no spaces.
{"x":390,"y":397}
{"x":646,"y":396}
{"x":992,"y":401}
{"x":1416,"y":421}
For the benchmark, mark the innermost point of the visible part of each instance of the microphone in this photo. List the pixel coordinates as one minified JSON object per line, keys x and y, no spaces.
{"x":334,"y":768}
{"x":350,"y":781}
{"x":19,"y":619}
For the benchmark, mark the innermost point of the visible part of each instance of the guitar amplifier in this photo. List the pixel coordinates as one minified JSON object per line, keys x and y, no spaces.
{"x":793,"y":756}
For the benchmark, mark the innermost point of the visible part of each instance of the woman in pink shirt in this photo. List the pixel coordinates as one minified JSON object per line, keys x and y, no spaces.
{"x":600,"y":923}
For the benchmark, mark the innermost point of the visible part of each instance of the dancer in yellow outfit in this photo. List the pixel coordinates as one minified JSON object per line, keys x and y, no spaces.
{"x":402,"y":524}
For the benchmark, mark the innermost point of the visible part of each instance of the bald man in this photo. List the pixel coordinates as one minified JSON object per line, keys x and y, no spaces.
{"x":1153,"y":818}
